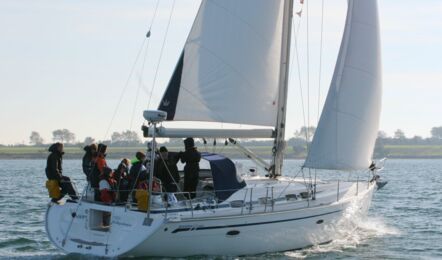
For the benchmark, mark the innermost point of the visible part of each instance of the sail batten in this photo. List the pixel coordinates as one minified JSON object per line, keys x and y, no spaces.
{"x":347,"y":129}
{"x":230,"y":65}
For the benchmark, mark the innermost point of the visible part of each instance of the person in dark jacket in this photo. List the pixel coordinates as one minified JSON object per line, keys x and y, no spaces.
{"x":167,"y":171}
{"x":54,"y":171}
{"x":136,"y":170}
{"x":191,"y":157}
{"x":121,"y":175}
{"x":89,"y":159}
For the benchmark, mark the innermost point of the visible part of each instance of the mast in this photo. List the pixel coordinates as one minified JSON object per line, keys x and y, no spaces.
{"x":279,"y":143}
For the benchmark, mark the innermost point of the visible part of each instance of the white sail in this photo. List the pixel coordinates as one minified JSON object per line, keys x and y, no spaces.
{"x":230,"y":67}
{"x":348,"y":126}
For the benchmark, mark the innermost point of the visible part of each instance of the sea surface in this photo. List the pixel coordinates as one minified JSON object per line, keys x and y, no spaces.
{"x":404,"y":222}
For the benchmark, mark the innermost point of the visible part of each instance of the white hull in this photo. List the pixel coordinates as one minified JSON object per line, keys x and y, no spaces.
{"x":208,"y":232}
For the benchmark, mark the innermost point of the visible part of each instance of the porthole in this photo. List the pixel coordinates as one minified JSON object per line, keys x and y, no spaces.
{"x":232,"y":233}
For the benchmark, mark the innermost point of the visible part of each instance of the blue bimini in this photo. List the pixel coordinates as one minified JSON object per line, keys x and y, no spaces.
{"x":225,"y":179}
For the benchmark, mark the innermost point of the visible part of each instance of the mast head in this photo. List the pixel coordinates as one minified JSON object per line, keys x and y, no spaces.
{"x":155,"y":116}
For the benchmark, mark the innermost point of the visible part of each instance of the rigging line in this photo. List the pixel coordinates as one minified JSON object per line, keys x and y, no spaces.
{"x":320,"y":61}
{"x":290,"y":182}
{"x":125,"y":86}
{"x":295,"y":38}
{"x":134,"y":185}
{"x":83,"y":193}
{"x":124,"y":89}
{"x":168,"y":171}
{"x":161,"y":54}
{"x":308,"y":72}
{"x":140,"y":84}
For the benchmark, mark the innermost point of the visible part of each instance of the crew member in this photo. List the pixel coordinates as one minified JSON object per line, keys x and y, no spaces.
{"x":191,"y":157}
{"x":167,"y":171}
{"x":99,"y":164}
{"x":89,"y":159}
{"x":121,"y":175}
{"x":54,"y":173}
{"x":107,"y":186}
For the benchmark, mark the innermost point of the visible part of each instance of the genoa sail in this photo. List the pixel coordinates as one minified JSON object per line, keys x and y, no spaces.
{"x":347,"y":130}
{"x":230,"y":66}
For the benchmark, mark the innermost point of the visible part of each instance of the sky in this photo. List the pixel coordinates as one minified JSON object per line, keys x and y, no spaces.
{"x":66,"y":64}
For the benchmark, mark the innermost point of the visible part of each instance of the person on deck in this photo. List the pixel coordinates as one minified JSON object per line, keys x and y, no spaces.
{"x":99,"y":164}
{"x":137,"y":167}
{"x":167,"y":171}
{"x":191,"y":157}
{"x":107,"y":186}
{"x":135,"y":170}
{"x":54,"y":172}
{"x":121,"y":175}
{"x":89,"y":159}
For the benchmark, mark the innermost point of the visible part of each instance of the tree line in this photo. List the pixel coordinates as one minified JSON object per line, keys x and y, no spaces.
{"x":305,"y":134}
{"x":299,"y":142}
{"x":124,"y":138}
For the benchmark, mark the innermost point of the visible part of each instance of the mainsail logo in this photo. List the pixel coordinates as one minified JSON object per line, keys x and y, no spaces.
{"x":166,"y":102}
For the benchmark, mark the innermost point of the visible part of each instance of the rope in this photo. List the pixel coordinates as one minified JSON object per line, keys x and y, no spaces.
{"x":124,"y":89}
{"x":140,"y":83}
{"x":74,"y":214}
{"x":320,"y":60}
{"x":170,"y":174}
{"x":161,"y":54}
{"x":308,"y":73}
{"x":134,"y":186}
{"x":295,"y":38}
{"x":126,"y":85}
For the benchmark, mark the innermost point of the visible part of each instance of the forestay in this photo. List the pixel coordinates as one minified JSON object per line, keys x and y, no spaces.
{"x":229,"y":69}
{"x":348,"y":126}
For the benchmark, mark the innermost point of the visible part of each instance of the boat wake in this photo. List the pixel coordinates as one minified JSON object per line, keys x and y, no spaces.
{"x":350,"y":235}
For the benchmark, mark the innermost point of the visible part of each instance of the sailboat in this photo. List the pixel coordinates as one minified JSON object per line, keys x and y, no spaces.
{"x":234,"y":69}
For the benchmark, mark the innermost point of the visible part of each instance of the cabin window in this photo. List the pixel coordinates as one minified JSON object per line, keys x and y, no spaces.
{"x":100,"y":220}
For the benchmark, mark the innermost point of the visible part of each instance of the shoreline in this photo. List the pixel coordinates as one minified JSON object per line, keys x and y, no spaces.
{"x":4,"y":157}
{"x":76,"y":152}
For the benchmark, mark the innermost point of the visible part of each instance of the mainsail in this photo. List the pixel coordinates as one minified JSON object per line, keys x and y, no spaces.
{"x":229,"y":70}
{"x":347,"y":129}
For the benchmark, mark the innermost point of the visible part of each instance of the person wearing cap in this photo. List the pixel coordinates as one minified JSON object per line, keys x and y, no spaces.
{"x":58,"y":183}
{"x":191,"y":157}
{"x":166,"y":170}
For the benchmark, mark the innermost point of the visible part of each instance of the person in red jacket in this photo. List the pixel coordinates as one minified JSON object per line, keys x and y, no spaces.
{"x":99,"y":165}
{"x":107,"y":186}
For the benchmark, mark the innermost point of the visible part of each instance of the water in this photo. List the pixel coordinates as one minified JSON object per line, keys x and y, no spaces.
{"x":404,"y":222}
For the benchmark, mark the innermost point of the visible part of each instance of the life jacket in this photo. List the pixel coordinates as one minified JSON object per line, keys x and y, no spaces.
{"x":142,"y":196}
{"x":142,"y":193}
{"x":107,"y":195}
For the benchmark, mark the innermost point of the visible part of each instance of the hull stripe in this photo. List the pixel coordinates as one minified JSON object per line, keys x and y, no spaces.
{"x":252,"y":224}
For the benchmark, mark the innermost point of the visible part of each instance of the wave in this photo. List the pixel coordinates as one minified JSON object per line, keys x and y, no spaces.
{"x":348,"y":236}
